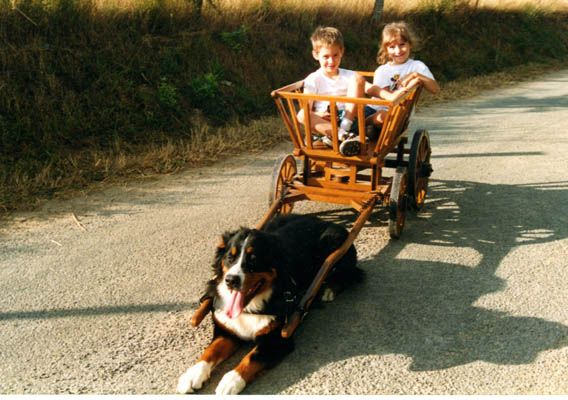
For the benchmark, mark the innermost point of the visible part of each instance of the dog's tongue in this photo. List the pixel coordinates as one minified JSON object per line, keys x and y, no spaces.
{"x":235,"y":306}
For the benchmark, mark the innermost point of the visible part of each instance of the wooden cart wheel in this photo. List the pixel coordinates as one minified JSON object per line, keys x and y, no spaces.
{"x":398,"y":202}
{"x":284,"y":171}
{"x":419,"y":168}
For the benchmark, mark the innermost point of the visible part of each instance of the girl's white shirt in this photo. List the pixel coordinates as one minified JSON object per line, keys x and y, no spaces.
{"x":387,"y":75}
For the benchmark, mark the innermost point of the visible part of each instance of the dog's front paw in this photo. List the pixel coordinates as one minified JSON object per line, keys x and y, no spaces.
{"x":232,"y":383}
{"x":194,"y":377}
{"x":328,"y":295}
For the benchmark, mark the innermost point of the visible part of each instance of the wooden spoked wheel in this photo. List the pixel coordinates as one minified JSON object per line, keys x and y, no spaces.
{"x":284,"y":171}
{"x":398,"y":202}
{"x":419,"y":168}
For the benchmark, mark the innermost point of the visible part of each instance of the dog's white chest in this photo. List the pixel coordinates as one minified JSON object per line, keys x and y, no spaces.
{"x":245,"y":326}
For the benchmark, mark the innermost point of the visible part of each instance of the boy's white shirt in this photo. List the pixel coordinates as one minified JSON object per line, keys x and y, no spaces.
{"x":318,"y":83}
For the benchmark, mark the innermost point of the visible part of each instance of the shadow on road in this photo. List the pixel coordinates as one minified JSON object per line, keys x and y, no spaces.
{"x":94,"y":311}
{"x":426,"y":310}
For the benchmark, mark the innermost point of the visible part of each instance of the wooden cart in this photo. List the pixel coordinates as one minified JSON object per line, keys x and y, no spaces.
{"x":325,"y":175}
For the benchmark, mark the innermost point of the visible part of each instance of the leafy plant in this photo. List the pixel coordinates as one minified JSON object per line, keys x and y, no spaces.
{"x":167,"y":94}
{"x":204,"y":88}
{"x":236,"y":40}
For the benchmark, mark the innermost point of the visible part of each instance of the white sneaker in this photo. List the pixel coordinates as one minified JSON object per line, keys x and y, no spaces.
{"x":327,"y":141}
{"x":350,"y":147}
{"x":342,"y":134}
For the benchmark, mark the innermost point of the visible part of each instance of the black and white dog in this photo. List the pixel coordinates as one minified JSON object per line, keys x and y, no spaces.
{"x":259,"y":278}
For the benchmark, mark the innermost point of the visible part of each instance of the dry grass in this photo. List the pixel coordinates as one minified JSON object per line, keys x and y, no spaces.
{"x":239,"y":9}
{"x":364,"y":7}
{"x":504,"y":5}
{"x":209,"y":145}
{"x":90,"y":170}
{"x":101,"y":111}
{"x":552,"y":5}
{"x":339,"y":6}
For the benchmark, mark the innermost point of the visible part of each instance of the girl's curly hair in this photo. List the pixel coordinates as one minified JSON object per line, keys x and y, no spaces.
{"x":392,"y":32}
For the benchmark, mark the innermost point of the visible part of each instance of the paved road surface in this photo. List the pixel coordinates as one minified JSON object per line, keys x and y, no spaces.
{"x":472,"y":300}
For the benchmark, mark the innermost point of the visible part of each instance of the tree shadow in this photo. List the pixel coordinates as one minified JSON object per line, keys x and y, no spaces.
{"x":52,"y":313}
{"x":116,"y":200}
{"x":426,"y":310}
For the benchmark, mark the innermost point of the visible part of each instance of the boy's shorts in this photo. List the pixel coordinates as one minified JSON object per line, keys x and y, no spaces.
{"x":368,"y":111}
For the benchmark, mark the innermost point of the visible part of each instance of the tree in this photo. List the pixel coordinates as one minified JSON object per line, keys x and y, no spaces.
{"x":198,"y":7}
{"x":378,"y":10}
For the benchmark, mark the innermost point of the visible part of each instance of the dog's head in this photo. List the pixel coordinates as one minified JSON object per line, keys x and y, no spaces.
{"x":245,"y":270}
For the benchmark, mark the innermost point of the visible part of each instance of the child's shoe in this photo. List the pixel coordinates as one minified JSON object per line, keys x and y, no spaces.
{"x":327,"y":141}
{"x":350,"y":147}
{"x":342,"y":134}
{"x":321,"y":142}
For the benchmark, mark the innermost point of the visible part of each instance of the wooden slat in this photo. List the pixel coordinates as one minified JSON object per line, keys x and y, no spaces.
{"x":307,"y":123}
{"x":330,"y":155}
{"x":361,"y":123}
{"x":333,"y":117}
{"x":316,"y":186}
{"x":293,"y":132}
{"x":293,"y":114}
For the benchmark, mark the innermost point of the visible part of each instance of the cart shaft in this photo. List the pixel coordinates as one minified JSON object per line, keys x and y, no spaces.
{"x":295,"y":319}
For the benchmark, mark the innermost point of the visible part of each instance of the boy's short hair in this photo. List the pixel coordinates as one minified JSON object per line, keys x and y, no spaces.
{"x":326,"y":36}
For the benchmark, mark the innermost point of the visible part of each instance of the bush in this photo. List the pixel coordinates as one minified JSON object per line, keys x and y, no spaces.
{"x":74,"y":76}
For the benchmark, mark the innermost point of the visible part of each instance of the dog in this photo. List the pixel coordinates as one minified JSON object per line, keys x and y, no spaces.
{"x":260,"y":276}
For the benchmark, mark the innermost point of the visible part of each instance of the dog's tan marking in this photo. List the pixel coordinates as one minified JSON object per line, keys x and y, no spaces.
{"x":219,"y":350}
{"x":253,"y":279}
{"x":233,"y":251}
{"x":249,"y":369}
{"x":269,"y":328}
{"x":249,"y":250}
{"x":201,"y":312}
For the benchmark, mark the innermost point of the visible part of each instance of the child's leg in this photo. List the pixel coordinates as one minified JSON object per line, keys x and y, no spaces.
{"x":356,"y":89}
{"x":320,"y":123}
{"x":377,"y":118}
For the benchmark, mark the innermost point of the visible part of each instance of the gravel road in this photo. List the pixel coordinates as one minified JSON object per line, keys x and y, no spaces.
{"x":96,"y":292}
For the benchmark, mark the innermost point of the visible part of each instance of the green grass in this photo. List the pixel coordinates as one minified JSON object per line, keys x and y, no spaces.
{"x":90,"y":93}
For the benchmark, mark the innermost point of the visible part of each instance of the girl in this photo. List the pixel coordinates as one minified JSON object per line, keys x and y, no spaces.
{"x":397,"y":71}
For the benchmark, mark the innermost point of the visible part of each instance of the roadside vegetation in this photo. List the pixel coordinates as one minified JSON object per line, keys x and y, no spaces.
{"x":96,"y":91}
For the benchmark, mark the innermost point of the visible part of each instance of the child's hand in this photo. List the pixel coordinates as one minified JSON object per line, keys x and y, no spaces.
{"x":411,"y":79}
{"x":325,"y":115}
{"x":411,"y":83}
{"x":397,"y":94}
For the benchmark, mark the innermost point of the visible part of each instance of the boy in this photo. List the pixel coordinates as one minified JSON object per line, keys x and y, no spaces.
{"x":330,"y":80}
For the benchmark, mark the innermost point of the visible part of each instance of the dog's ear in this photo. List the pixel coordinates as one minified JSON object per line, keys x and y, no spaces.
{"x":224,"y":241}
{"x":220,"y":250}
{"x":225,"y":237}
